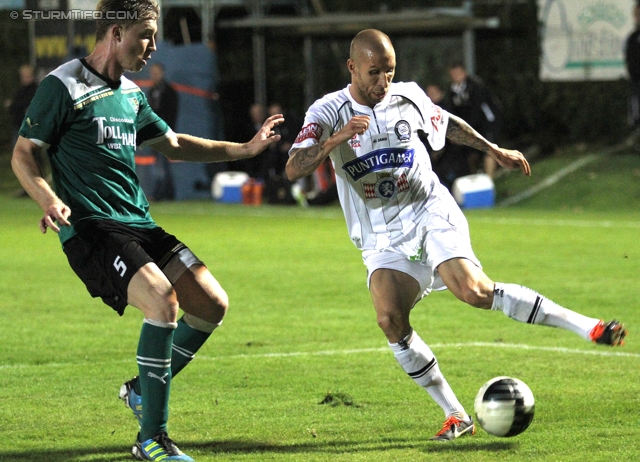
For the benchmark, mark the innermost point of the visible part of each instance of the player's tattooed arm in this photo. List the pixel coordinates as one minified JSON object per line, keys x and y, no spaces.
{"x":304,"y":161}
{"x":461,"y":132}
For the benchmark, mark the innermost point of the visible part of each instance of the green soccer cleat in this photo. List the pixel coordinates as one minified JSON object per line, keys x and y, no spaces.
{"x":455,"y":428}
{"x":131,"y":399}
{"x":159,"y":448}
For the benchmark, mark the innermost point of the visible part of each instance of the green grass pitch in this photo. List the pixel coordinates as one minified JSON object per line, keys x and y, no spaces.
{"x":301,"y":331}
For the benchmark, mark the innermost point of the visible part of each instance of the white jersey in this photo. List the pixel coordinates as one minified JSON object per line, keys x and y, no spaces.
{"x":384,"y":177}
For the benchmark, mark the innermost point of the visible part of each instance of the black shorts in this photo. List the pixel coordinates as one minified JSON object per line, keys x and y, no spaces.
{"x":106,"y":254}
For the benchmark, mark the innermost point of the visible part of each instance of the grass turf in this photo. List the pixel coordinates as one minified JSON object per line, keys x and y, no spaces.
{"x":301,"y":328}
{"x":299,"y":371}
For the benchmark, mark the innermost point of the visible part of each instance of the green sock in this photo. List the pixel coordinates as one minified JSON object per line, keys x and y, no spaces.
{"x":154,"y":365}
{"x":186,"y":342}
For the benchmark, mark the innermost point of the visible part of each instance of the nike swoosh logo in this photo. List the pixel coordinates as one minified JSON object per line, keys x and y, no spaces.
{"x":457,"y":433}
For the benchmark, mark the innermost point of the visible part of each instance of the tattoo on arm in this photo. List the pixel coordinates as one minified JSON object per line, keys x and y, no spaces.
{"x":461,"y":132}
{"x":307,"y":160}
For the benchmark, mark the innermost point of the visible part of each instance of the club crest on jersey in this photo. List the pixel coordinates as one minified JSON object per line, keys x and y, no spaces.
{"x":134,"y":104}
{"x":386,"y":188}
{"x":403,"y":130}
{"x":380,"y":159}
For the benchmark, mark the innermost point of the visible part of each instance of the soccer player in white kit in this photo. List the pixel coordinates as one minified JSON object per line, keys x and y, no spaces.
{"x":413,"y":236}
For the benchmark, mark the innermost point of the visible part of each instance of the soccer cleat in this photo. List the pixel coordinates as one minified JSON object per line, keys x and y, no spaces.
{"x":611,"y":333}
{"x":159,"y":448}
{"x":131,"y":399}
{"x":454,"y":428}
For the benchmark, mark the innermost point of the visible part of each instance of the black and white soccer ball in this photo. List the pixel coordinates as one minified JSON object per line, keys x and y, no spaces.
{"x":504,"y":406}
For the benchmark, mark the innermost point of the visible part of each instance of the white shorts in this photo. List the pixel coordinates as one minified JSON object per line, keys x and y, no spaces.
{"x":443,"y":234}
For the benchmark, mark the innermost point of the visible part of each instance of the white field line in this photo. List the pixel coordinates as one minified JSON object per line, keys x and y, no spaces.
{"x":550,"y":180}
{"x":556,"y":222}
{"x":515,"y":346}
{"x":436,"y":346}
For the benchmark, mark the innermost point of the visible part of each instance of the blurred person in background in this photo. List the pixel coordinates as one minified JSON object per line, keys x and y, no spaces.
{"x":17,"y":107}
{"x":18,"y":104}
{"x":413,"y":236}
{"x":276,"y":157}
{"x":471,"y":100}
{"x":163,"y":99}
{"x":254,"y":167}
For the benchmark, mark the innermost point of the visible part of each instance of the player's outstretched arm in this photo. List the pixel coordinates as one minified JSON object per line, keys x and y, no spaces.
{"x":25,"y":167}
{"x":185,"y":147}
{"x":461,"y":132}
{"x":303,"y":161}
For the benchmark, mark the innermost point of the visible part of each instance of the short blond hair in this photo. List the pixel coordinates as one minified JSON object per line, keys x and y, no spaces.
{"x":135,"y":11}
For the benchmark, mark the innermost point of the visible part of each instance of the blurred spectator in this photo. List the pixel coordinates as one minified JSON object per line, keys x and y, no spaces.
{"x":254,"y":166}
{"x":18,"y":105}
{"x":470,"y":99}
{"x":163,"y":99}
{"x":278,"y":187}
{"x":632,"y":59}
{"x":278,"y":153}
{"x":435,"y":94}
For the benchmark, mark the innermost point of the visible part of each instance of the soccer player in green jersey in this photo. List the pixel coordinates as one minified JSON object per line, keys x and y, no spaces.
{"x":90,"y":118}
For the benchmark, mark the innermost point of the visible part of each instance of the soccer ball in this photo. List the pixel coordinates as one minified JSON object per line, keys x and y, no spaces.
{"x":504,"y":406}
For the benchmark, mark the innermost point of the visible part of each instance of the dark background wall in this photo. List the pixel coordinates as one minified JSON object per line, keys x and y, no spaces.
{"x":543,"y":113}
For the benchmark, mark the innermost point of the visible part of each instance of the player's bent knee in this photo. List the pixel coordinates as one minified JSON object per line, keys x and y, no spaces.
{"x":211,"y":309}
{"x":384,"y":323}
{"x":392,"y":326}
{"x":222,"y":301}
{"x":475,"y":296}
{"x":219,"y":303}
{"x":164,"y":312}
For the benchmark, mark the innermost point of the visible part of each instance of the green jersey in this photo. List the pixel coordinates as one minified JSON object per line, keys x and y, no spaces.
{"x":90,"y":127}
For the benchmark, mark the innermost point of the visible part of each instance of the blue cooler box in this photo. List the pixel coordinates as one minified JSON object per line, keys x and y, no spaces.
{"x":227,"y":186}
{"x":474,"y":191}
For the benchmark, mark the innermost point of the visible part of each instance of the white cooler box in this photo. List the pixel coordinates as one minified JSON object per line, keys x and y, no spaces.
{"x":227,"y":186}
{"x":474,"y":191}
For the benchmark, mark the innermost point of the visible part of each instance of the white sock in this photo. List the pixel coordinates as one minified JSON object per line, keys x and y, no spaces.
{"x":526,"y":305}
{"x":418,"y":361}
